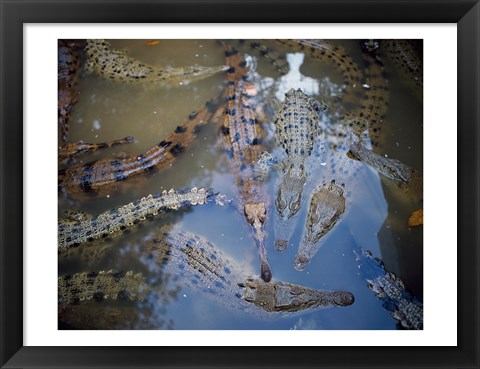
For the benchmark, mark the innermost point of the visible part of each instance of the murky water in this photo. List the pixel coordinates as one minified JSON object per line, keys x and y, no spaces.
{"x":376,"y":220}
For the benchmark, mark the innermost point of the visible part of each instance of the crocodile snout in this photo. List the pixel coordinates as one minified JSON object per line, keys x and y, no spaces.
{"x":301,"y":261}
{"x":281,"y":245}
{"x":343,"y":298}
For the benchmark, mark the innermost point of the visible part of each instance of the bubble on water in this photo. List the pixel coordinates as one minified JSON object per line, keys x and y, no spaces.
{"x":96,"y":124}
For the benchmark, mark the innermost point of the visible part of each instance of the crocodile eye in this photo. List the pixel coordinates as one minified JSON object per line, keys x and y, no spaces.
{"x":295,"y":204}
{"x":296,"y":290}
{"x":296,"y":302}
{"x":281,"y":203}
{"x":263,"y":216}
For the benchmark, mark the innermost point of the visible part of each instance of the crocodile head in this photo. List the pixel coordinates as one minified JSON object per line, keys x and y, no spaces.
{"x":288,"y":202}
{"x":326,"y":207}
{"x":286,"y":297}
{"x":390,"y":168}
{"x":256,"y":214}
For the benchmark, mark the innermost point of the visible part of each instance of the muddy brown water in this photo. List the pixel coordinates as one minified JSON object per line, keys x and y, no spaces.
{"x":377,"y":219}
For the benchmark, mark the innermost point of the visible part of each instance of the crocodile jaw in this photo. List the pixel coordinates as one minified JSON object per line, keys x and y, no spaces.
{"x":286,"y":297}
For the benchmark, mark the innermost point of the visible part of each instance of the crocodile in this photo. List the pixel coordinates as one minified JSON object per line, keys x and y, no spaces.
{"x":99,"y":286}
{"x":78,"y":229}
{"x":391,"y":168}
{"x":297,"y":127}
{"x":68,"y":70}
{"x":243,"y":137}
{"x":391,"y":290}
{"x":204,"y":267}
{"x":102,"y":176}
{"x":404,"y":176}
{"x":68,"y":151}
{"x":333,"y":195}
{"x":115,"y":65}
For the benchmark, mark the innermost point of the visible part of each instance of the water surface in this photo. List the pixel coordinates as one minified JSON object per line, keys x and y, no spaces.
{"x":377,"y":219}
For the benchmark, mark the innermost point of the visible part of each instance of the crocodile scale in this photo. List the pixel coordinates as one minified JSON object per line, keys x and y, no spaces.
{"x":73,"y":233}
{"x":98,"y":286}
{"x":389,"y":288}
{"x":297,"y":129}
{"x":243,"y":137}
{"x":115,"y":65}
{"x":203,"y":266}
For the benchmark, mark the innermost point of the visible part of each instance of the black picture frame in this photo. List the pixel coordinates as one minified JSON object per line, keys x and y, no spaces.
{"x":465,"y":13}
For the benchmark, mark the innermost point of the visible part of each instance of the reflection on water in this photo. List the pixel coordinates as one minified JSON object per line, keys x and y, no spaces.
{"x":376,"y":219}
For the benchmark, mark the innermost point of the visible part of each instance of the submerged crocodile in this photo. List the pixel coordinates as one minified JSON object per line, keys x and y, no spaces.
{"x":102,"y":176}
{"x":68,"y":68}
{"x":78,"y":229}
{"x":297,"y":127}
{"x":243,"y":138}
{"x":401,"y":174}
{"x":68,"y":151}
{"x":115,"y":65}
{"x":98,"y":286}
{"x":332,"y":197}
{"x":203,"y":266}
{"x":389,"y":288}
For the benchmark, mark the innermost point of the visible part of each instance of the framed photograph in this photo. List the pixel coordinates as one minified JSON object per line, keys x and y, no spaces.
{"x":236,"y":193}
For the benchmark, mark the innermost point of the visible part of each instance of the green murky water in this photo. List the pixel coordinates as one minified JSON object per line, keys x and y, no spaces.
{"x":377,"y":219}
